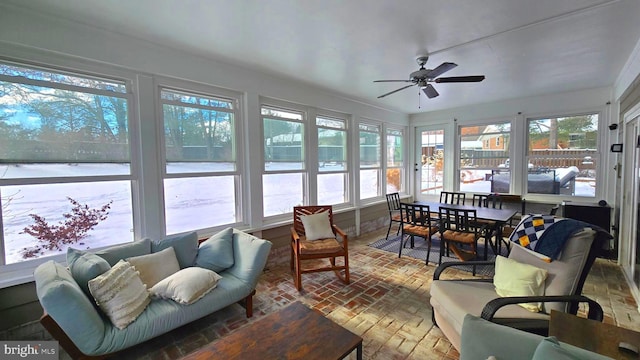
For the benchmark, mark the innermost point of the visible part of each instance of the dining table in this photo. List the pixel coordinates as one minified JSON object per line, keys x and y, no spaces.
{"x":498,"y":216}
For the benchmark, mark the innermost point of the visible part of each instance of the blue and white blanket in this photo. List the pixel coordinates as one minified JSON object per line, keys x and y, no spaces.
{"x":546,"y":234}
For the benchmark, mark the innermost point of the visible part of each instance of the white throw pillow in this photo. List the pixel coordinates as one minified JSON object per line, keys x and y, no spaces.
{"x":518,"y":279}
{"x":317,"y":226}
{"x":187,"y":285}
{"x":120,"y":294}
{"x":155,"y":267}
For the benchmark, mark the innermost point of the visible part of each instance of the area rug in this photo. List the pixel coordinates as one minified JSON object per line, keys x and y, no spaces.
{"x":419,"y":251}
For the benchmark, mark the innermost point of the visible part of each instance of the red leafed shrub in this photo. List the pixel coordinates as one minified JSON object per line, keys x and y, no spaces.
{"x":77,"y":223}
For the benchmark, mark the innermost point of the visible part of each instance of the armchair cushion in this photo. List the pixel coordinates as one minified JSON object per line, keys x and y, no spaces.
{"x":564,"y":273}
{"x":317,"y":226}
{"x":216,"y":253}
{"x":513,"y":278}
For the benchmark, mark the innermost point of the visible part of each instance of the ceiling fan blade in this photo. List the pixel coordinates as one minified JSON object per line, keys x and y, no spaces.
{"x":430,"y":91}
{"x":392,"y":80}
{"x":458,"y":79}
{"x":395,"y":91}
{"x":443,"y":68}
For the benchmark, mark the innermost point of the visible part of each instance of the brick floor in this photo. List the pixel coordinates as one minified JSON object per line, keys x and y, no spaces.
{"x":386,"y":303}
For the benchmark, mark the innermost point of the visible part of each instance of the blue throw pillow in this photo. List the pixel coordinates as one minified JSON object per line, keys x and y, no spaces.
{"x":116,"y":253}
{"x":185,"y":246}
{"x":216,"y":253}
{"x":85,"y":266}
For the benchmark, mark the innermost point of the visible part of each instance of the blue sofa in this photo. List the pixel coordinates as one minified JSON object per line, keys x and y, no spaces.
{"x":84,"y":331}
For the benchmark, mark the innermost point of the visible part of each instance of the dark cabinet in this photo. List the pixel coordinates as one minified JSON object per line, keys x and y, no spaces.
{"x":591,"y":213}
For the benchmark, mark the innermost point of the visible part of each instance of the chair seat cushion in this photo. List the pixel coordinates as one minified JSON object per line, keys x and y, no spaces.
{"x":459,"y":236}
{"x":422,"y":231}
{"x":320,"y":246}
{"x":453,"y":299}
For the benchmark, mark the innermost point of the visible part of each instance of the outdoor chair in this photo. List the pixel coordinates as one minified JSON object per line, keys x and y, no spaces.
{"x":417,"y":223}
{"x":313,"y":236}
{"x":447,"y":197}
{"x":492,"y":229}
{"x":459,"y":233}
{"x":393,"y":203}
{"x":561,"y":290}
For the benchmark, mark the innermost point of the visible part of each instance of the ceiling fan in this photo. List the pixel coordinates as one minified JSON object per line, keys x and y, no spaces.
{"x":423,"y":77}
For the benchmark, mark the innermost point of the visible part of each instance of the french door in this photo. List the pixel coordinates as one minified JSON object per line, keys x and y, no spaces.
{"x":429,"y":166}
{"x":629,"y":238}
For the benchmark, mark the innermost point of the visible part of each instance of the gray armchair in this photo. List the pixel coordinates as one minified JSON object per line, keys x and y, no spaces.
{"x":452,"y":300}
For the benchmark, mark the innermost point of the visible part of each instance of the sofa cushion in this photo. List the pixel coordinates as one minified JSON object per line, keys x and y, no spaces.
{"x":114,"y":254}
{"x":85,"y":266}
{"x":155,"y":266}
{"x":120,"y":294}
{"x":513,"y":278}
{"x":185,"y":246}
{"x":216,"y":253}
{"x":550,"y":348}
{"x":187,"y":285}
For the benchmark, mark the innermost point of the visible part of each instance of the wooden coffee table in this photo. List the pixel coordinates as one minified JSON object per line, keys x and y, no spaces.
{"x":592,"y":335}
{"x":295,"y":332}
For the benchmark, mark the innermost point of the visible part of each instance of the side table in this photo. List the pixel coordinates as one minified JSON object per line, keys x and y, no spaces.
{"x":593,"y":335}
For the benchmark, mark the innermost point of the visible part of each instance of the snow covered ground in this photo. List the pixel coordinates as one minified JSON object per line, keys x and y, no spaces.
{"x":192,"y":203}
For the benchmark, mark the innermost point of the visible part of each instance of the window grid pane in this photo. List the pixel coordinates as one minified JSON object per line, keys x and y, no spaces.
{"x":563,"y":153}
{"x":484,"y":158}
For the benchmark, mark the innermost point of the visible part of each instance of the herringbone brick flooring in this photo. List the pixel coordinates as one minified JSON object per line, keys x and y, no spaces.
{"x":387,"y":303}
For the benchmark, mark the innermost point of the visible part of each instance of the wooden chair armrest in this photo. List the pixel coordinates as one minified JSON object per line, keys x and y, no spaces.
{"x":340,"y":232}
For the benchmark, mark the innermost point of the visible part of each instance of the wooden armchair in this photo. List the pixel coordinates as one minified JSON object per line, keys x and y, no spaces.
{"x":317,"y":242}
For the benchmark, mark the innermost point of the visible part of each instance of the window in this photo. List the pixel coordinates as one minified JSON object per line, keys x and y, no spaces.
{"x":201,"y":175}
{"x":484,"y":168}
{"x":332,"y":160}
{"x":283,"y":179}
{"x":563,"y":154}
{"x":395,"y":160}
{"x":64,"y":149}
{"x":370,"y":166}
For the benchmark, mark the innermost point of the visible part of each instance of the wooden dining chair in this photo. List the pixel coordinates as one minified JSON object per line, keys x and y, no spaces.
{"x":313,"y":236}
{"x":447,"y":197}
{"x":418,"y":222}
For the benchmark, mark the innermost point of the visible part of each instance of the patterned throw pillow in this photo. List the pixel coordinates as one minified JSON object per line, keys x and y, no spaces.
{"x":120,"y":294}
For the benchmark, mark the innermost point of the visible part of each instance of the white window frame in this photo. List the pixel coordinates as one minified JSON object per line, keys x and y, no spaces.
{"x":382,"y":159}
{"x":305,"y":143}
{"x":387,"y":131}
{"x":458,"y":146}
{"x":17,"y":273}
{"x":600,"y":154}
{"x":347,"y":156}
{"x":210,"y":92}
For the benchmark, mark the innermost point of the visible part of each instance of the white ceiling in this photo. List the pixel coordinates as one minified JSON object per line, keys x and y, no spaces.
{"x":523,"y":47}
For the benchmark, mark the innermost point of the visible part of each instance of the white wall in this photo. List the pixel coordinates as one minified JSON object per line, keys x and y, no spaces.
{"x":18,"y":26}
